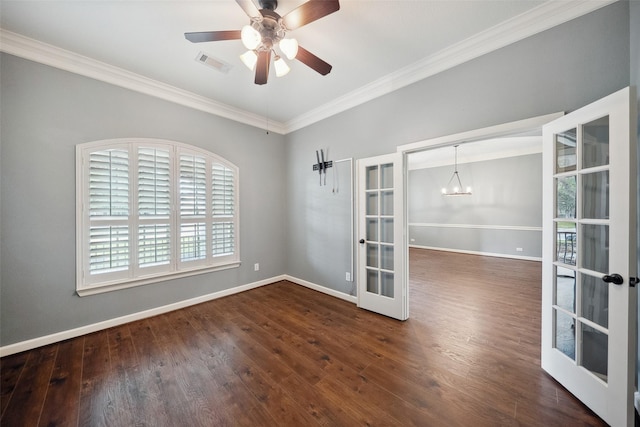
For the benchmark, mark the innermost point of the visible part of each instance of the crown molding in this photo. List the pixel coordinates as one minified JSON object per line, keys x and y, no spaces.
{"x":541,"y":18}
{"x":34,"y":50}
{"x":534,"y":21}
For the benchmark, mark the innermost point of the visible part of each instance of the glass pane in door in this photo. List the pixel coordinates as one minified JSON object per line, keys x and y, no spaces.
{"x":372,"y":281}
{"x":565,"y":289}
{"x":372,"y":255}
{"x":565,"y":145}
{"x":566,"y":242}
{"x":566,"y":197}
{"x":595,"y":143}
{"x":595,"y":195}
{"x":595,"y":300}
{"x":565,"y":334}
{"x":595,"y":247}
{"x":386,"y":175}
{"x":594,"y":351}
{"x":372,"y":177}
{"x":386,"y":284}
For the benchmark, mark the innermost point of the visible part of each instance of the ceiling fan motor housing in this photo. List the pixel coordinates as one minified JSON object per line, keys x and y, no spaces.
{"x":269,"y":4}
{"x":270,"y":28}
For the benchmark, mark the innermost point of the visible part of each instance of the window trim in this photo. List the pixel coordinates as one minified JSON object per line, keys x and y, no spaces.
{"x":177,"y":268}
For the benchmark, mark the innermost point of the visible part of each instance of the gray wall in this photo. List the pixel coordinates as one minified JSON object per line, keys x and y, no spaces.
{"x":502,"y":196}
{"x":45,"y":113}
{"x":561,"y":69}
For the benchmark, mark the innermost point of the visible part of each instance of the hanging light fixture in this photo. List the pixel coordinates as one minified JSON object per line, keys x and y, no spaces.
{"x":281,"y":67}
{"x":249,"y":58}
{"x":265,"y":34}
{"x":454,"y":186}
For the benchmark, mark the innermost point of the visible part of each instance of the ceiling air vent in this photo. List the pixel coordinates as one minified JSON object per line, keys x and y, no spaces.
{"x":215,"y":63}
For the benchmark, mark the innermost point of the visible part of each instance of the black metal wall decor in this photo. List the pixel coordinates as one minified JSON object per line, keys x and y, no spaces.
{"x":322,"y":166}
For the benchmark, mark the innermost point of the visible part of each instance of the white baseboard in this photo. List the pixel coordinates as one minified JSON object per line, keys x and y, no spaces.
{"x":87,"y":329}
{"x":521,"y":257}
{"x":324,"y":290}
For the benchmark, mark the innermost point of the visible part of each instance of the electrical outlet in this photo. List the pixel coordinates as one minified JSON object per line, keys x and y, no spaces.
{"x":348,"y":277}
{"x":256,"y":266}
{"x":519,"y":249}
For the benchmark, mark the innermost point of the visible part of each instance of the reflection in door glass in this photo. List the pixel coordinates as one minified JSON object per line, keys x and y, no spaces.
{"x":595,"y":195}
{"x":565,"y":143}
{"x":372,"y":203}
{"x":372,"y":178}
{"x":565,"y":337}
{"x":595,"y":300}
{"x":386,"y":178}
{"x":595,"y":347}
{"x":595,"y":247}
{"x":565,"y":295}
{"x":372,"y":255}
{"x":372,"y":281}
{"x":566,"y":197}
{"x":595,"y":143}
{"x":386,"y":231}
{"x":372,"y":229}
{"x":386,"y":257}
{"x":386,"y":284}
{"x":566,"y":242}
{"x":386,"y":205}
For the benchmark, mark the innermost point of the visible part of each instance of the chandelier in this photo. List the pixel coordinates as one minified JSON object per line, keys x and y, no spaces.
{"x":454,"y":186}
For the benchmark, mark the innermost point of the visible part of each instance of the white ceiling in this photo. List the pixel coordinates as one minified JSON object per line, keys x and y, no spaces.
{"x":375,"y":46}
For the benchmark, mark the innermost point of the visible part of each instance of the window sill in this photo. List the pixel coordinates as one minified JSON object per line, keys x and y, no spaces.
{"x":125,"y":284}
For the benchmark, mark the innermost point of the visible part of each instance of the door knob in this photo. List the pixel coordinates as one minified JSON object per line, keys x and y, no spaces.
{"x":616,"y":279}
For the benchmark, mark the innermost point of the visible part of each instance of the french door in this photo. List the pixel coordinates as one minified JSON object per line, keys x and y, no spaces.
{"x":589,"y":254}
{"x":382,"y":248}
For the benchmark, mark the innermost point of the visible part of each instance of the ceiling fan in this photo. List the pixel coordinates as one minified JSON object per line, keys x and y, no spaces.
{"x":267,"y":30}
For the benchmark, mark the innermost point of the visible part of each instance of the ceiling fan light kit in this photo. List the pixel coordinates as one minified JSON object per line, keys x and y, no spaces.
{"x":267,"y":30}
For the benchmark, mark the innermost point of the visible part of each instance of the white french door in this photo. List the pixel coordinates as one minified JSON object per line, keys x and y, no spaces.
{"x":589,"y":255}
{"x":382,"y":279}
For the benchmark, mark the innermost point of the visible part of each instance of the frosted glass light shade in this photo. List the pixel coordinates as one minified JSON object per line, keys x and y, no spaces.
{"x":289,"y":47}
{"x":281,"y":67}
{"x":249,"y":58}
{"x":250,"y":37}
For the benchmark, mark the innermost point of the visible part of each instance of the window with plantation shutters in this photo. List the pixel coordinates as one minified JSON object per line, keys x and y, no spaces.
{"x":150,"y":210}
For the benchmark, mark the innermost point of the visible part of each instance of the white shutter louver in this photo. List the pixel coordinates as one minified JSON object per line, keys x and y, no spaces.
{"x":108,"y":208}
{"x":222,"y":189}
{"x":223,"y":209}
{"x":193,"y":242}
{"x":193,"y":186}
{"x":154,"y":207}
{"x":109,"y":183}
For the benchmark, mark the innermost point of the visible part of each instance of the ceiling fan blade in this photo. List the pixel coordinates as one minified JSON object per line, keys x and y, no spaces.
{"x":312,"y":61}
{"x":262,"y":67}
{"x":212,"y":36}
{"x":309,"y":12}
{"x":249,"y":8}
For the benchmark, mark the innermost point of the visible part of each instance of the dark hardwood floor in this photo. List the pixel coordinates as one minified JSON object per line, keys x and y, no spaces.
{"x":286,"y":355}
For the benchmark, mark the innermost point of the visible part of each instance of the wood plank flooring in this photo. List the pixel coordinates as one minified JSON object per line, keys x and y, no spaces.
{"x":284,"y":355}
